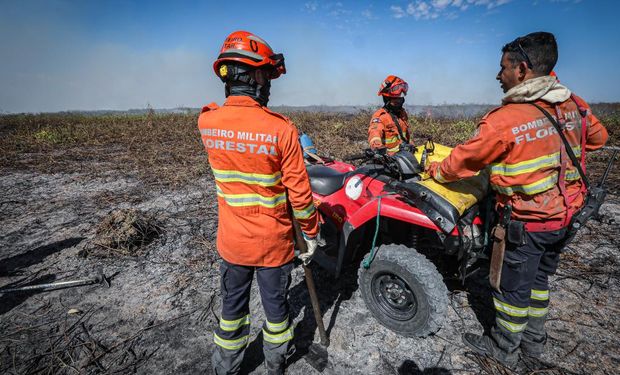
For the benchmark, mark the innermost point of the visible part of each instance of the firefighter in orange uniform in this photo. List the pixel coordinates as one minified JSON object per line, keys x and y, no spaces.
{"x":388,"y":125}
{"x":258,"y":166}
{"x":534,"y":179}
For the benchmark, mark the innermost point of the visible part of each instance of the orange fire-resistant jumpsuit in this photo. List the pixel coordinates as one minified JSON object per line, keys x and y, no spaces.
{"x":525,"y":157}
{"x":257,"y":163}
{"x":522,"y":149}
{"x":383,"y":131}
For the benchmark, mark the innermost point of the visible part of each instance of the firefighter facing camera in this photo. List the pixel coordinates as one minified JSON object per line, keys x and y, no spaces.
{"x":389,"y":126}
{"x":259,"y":173}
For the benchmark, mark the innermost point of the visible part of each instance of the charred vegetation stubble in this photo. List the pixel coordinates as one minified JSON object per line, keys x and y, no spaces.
{"x":165,"y":149}
{"x":134,"y":194}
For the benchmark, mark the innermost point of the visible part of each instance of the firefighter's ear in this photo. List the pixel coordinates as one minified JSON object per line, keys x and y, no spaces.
{"x":522,"y":70}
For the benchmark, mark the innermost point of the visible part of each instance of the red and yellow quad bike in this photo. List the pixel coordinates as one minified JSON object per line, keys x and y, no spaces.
{"x":387,"y":214}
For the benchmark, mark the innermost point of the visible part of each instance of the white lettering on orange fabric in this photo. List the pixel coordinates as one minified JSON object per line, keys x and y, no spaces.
{"x":241,"y":142}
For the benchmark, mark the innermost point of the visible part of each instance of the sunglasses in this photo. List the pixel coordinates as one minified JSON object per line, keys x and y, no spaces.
{"x":525,"y":56}
{"x":278,"y":67}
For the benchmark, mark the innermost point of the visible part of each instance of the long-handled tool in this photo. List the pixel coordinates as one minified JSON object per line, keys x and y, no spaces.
{"x":99,"y":279}
{"x":317,"y":353}
{"x":615,"y":150}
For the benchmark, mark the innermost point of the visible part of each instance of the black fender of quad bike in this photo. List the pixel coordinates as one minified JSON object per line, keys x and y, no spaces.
{"x":438,"y":209}
{"x":330,"y":263}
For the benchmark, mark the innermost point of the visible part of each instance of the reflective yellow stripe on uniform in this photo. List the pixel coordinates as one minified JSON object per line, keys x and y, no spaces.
{"x":509,"y":309}
{"x":512,"y":327}
{"x":304,"y":213}
{"x":532,"y":165}
{"x":248,"y":200}
{"x":233,"y":325}
{"x":277,"y":327}
{"x":572,"y":175}
{"x":394,"y":149}
{"x":527,"y":166}
{"x":540,"y":295}
{"x":535,"y":187}
{"x":376,"y":139}
{"x":278,"y":338}
{"x":231,"y":344}
{"x":538,"y":312}
{"x":247,"y":178}
{"x":392,"y":140}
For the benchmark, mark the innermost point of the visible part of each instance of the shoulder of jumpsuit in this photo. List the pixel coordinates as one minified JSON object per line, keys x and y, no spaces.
{"x":280,"y":118}
{"x":210,"y":107}
{"x":277,"y":115}
{"x":582,"y":105}
{"x":381,"y":115}
{"x":500,"y":120}
{"x":506,"y":114}
{"x":404,"y":114}
{"x":490,"y":113}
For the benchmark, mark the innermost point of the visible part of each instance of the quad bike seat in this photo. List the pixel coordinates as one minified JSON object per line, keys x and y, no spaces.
{"x":325,"y":180}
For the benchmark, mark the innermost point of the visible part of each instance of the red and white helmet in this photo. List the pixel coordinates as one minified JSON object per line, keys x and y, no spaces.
{"x":393,"y":87}
{"x":249,"y":49}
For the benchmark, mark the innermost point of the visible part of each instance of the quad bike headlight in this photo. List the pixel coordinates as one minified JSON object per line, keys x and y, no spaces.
{"x":353,"y":190}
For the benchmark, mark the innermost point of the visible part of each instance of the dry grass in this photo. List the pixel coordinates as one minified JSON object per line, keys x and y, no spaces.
{"x":159,"y":149}
{"x":166,"y":148}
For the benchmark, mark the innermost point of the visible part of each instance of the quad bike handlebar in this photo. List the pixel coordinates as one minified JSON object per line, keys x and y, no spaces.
{"x":369,"y":153}
{"x":401,"y":165}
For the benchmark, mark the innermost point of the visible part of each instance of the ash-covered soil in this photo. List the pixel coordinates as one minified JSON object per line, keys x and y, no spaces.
{"x":158,"y":314}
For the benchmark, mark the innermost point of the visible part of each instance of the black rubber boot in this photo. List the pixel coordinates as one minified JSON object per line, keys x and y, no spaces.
{"x":276,"y":357}
{"x":485,"y":345}
{"x":226,"y":362}
{"x":534,"y":338}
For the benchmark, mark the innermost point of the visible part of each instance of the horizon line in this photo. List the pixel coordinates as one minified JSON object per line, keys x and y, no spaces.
{"x":189,"y":109}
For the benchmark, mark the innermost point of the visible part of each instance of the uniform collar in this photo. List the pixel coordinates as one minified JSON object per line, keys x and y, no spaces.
{"x":400,"y":113}
{"x":241,"y":101}
{"x":546,"y":88}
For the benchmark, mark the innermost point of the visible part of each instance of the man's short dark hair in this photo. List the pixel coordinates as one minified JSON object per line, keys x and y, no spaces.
{"x":539,"y":50}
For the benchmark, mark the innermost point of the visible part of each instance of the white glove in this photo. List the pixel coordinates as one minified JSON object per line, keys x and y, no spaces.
{"x":311,"y":244}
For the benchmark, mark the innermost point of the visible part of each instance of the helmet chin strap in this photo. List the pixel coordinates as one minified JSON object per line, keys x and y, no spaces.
{"x":263,"y":92}
{"x":242,"y":81}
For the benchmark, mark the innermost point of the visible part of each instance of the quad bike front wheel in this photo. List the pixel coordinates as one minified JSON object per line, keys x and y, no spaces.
{"x":404,"y":291}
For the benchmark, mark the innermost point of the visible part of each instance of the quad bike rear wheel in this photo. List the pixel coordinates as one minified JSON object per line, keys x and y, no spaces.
{"x":404,"y":291}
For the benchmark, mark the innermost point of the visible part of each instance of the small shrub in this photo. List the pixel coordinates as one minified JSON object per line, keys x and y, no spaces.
{"x":45,"y":135}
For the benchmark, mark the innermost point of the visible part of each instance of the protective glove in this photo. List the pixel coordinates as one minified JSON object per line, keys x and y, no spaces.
{"x":311,"y":243}
{"x":430,"y":170}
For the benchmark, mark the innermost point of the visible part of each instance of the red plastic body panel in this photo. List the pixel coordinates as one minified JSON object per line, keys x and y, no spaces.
{"x":340,"y":208}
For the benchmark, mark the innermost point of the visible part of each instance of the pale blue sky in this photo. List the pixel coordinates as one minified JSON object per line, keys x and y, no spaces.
{"x":84,"y":55}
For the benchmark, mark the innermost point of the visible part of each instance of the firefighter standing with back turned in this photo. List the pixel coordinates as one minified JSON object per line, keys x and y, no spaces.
{"x":258,"y":165}
{"x":537,"y":187}
{"x":388,"y":125}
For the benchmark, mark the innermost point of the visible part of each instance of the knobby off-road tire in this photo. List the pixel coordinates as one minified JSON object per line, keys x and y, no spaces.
{"x":404,"y":291}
